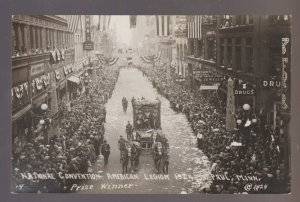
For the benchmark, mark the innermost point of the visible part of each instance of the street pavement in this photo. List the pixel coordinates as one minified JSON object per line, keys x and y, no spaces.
{"x":188,"y":167}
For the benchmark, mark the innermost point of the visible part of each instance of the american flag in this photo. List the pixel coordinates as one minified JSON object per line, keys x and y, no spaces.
{"x":194,"y":24}
{"x":72,"y":22}
{"x":103,"y":22}
{"x":133,"y":19}
{"x":163,"y":25}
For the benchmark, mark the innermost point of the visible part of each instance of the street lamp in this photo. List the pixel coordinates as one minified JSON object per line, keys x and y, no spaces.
{"x":45,"y":122}
{"x":246,"y":107}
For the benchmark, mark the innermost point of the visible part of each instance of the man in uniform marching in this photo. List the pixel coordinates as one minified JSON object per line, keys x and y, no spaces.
{"x":105,"y":151}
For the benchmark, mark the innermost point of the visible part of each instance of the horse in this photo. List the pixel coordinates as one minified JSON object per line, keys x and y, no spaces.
{"x":161,"y":157}
{"x":124,"y":160}
{"x":134,"y":155}
{"x":124,"y":104}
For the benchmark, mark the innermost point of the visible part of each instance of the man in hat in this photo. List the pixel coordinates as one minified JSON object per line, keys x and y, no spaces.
{"x":199,"y":140}
{"x":105,"y":151}
{"x":128,"y":130}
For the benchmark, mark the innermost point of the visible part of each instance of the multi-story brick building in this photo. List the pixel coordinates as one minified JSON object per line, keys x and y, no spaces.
{"x":45,"y":50}
{"x":250,"y":50}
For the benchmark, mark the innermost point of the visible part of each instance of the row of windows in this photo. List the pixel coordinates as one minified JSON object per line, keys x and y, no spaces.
{"x":236,"y":41}
{"x":27,"y":39}
{"x":227,"y":60}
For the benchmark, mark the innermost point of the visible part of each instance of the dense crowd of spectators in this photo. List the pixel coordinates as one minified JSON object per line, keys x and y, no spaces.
{"x":255,"y":150}
{"x":77,"y":146}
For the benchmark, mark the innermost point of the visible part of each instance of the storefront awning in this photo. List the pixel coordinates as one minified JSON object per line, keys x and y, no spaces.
{"x":74,"y":79}
{"x":21,"y":112}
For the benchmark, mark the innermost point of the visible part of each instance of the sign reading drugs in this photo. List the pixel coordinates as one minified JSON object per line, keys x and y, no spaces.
{"x":285,"y":70}
{"x":244,"y":89}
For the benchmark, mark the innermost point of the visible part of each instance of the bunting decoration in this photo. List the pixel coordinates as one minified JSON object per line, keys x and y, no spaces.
{"x":152,"y":58}
{"x":107,"y":61}
{"x":58,"y":56}
{"x":46,"y":80}
{"x":53,"y":57}
{"x":70,"y":69}
{"x":33,"y":86}
{"x":19,"y":91}
{"x":26,"y":88}
{"x":62,"y":53}
{"x":66,"y":70}
{"x":57,"y":75}
{"x":39,"y":83}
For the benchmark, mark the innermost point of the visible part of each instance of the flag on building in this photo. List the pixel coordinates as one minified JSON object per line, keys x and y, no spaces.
{"x":133,"y":19}
{"x":194,"y":24}
{"x":163,"y":25}
{"x":103,"y":22}
{"x":72,"y":22}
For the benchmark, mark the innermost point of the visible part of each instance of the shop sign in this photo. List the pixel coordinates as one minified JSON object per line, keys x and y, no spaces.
{"x":285,"y":70}
{"x":244,"y":89}
{"x":210,"y":79}
{"x":270,"y":83}
{"x":37,"y":69}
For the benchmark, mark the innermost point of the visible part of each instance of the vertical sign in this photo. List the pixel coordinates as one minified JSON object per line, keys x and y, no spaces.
{"x":88,"y":44}
{"x":285,"y":70}
{"x":87,"y":28}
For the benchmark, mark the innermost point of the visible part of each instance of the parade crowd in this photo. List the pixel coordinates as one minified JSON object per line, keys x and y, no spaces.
{"x":77,"y":146}
{"x":252,"y":151}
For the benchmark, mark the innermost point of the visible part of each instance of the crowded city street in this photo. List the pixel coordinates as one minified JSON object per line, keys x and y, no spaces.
{"x":149,"y":105}
{"x":185,"y":158}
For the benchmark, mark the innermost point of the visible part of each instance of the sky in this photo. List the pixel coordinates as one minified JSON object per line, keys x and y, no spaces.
{"x":122,"y":26}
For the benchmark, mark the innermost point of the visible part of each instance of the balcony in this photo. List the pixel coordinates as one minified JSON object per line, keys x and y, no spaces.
{"x":19,"y":60}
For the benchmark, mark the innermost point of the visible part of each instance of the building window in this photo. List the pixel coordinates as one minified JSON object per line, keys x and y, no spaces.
{"x":238,"y":58}
{"x":250,"y":19}
{"x":238,"y":41}
{"x":249,"y":60}
{"x":249,"y":41}
{"x":229,"y":57}
{"x":227,"y":21}
{"x":222,"y":55}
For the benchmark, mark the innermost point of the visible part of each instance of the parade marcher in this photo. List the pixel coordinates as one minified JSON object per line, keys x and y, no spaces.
{"x":121,"y":143}
{"x":128,"y":130}
{"x":105,"y":151}
{"x":199,"y":140}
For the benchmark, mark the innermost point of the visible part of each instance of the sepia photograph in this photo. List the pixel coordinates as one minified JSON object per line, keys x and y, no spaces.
{"x":151,"y":104}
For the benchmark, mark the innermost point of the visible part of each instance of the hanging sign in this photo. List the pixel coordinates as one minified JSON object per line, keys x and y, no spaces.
{"x":244,"y":89}
{"x":88,"y":44}
{"x":285,"y":70}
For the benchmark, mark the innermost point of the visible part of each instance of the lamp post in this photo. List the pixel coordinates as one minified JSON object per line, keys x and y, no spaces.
{"x":246,"y":121}
{"x":45,"y":122}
